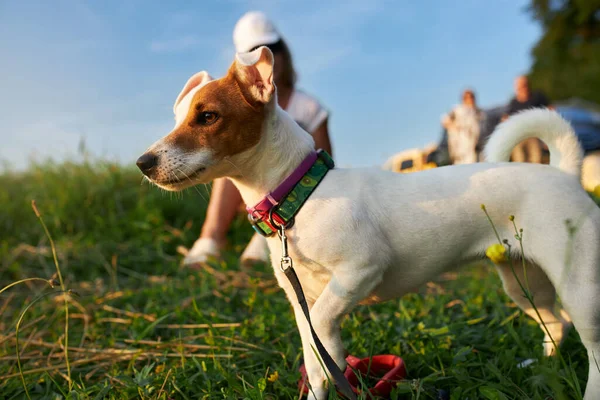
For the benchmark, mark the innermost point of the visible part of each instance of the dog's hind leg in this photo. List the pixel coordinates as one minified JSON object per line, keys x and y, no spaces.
{"x":592,"y":390}
{"x":583,"y":302}
{"x":554,"y":324}
{"x":581,"y":296}
{"x":578,"y":284}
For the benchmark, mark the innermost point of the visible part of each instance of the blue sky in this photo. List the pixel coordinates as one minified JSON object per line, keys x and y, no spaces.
{"x":109,"y":71}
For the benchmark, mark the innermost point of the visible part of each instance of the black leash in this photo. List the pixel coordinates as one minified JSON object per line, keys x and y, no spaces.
{"x":287,"y":268}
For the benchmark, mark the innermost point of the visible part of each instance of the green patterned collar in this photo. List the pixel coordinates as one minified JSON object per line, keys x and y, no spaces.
{"x":281,"y":206}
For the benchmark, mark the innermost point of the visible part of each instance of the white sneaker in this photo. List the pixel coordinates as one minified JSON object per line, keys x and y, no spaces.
{"x":202,"y":250}
{"x":256,"y":251}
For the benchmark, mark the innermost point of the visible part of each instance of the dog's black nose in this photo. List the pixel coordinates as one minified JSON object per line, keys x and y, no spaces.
{"x":147,"y":162}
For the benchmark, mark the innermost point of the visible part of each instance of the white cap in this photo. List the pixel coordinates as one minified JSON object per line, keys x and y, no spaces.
{"x":252,"y":30}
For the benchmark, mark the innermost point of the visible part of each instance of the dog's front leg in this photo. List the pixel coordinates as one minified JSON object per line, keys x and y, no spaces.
{"x":340,"y":296}
{"x":310,"y":361}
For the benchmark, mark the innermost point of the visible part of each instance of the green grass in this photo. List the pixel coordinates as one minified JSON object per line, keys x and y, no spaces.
{"x":116,"y":242}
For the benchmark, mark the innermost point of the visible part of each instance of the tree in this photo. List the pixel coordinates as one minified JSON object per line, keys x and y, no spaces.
{"x":566,"y":59}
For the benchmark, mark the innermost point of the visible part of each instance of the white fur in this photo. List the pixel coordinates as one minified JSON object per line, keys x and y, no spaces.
{"x":249,"y":58}
{"x":178,"y":165}
{"x":367,"y":234}
{"x":181,"y":108}
{"x":565,"y":151}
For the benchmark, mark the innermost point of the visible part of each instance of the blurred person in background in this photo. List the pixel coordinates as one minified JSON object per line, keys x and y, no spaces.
{"x":463,"y":126}
{"x":525,"y":98}
{"x":253,"y":30}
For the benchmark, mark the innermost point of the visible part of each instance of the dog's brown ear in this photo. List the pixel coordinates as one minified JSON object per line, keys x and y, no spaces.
{"x":197,"y":79}
{"x":254,"y":70}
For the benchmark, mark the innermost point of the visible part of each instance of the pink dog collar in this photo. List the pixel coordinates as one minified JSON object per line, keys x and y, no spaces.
{"x":283,"y":203}
{"x":273,"y":198}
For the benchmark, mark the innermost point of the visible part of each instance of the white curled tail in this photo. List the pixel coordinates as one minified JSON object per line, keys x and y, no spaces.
{"x":566,"y":153}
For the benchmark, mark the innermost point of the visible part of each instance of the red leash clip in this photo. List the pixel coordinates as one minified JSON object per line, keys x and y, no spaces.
{"x":386,"y":370}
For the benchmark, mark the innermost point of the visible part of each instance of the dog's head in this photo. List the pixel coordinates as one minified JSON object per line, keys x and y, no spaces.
{"x":215,"y":120}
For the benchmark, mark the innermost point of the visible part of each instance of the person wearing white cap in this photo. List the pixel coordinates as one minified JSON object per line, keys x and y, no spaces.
{"x":253,"y":30}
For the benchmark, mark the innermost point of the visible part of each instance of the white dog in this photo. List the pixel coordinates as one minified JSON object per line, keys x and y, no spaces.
{"x":367,"y":235}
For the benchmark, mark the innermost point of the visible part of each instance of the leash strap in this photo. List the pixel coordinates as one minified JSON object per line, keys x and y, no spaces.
{"x":287,"y":268}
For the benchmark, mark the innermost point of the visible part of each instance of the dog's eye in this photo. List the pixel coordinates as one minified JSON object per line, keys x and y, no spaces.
{"x":207,"y":118}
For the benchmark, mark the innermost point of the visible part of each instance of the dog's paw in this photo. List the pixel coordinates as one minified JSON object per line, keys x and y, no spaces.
{"x":318,"y":393}
{"x":317,"y":383}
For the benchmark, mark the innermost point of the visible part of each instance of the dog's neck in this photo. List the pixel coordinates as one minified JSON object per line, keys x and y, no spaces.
{"x":283,"y":146}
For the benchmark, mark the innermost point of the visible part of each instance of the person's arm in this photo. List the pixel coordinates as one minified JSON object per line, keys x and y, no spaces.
{"x":321,"y":137}
{"x":448,"y":120}
{"x":534,"y":150}
{"x":509,"y":110}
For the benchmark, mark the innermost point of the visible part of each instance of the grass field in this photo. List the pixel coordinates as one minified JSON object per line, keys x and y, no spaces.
{"x":140,"y":326}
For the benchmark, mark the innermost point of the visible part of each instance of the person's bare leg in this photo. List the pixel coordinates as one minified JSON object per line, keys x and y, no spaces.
{"x":534,"y":150}
{"x":223,"y":205}
{"x":518,"y":153}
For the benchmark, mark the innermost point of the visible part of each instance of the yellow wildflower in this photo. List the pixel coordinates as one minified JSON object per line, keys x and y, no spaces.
{"x":496,"y":253}
{"x":597,"y":191}
{"x":273,"y":377}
